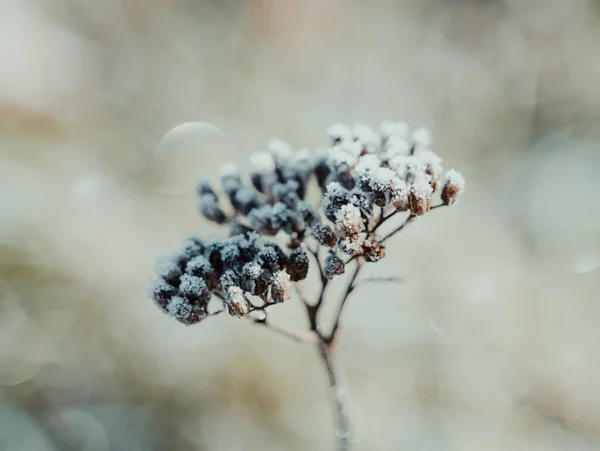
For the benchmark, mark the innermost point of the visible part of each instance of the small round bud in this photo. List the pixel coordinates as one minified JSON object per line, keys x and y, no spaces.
{"x":162,"y":292}
{"x":281,"y":287}
{"x":183,"y":311}
{"x":420,"y":196}
{"x":454,"y":186}
{"x":350,"y":245}
{"x":194,"y":289}
{"x":339,"y":133}
{"x":201,"y":267}
{"x":208,"y":206}
{"x":323,"y":234}
{"x":349,"y":219}
{"x":229,"y":279}
{"x":335,"y":197}
{"x":373,"y":251}
{"x":297,"y":265}
{"x":237,"y":303}
{"x":169,"y":270}
{"x":333,"y":267}
{"x":253,"y":280}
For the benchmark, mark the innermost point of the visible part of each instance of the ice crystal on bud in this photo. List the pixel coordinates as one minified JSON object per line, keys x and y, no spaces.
{"x":281,"y":149}
{"x":391,"y":129}
{"x":422,"y":138}
{"x":366,"y":136}
{"x":262,"y":162}
{"x":281,"y":288}
{"x":339,"y":133}
{"x":333,"y":267}
{"x":349,"y":220}
{"x":229,"y":170}
{"x":454,"y":186}
{"x":420,"y":196}
{"x":237,"y":303}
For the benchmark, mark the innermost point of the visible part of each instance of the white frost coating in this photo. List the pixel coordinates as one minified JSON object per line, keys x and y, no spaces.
{"x":339,"y":158}
{"x":397,"y":145}
{"x":280,"y":148}
{"x":421,"y":187}
{"x":367,"y":163}
{"x":334,"y":189}
{"x":354,"y":148}
{"x":179,"y":307}
{"x":235,"y":294}
{"x":455,"y":178}
{"x":281,"y":277}
{"x":422,"y":137}
{"x":395,"y":129}
{"x":405,"y":166}
{"x":229,"y":170}
{"x":340,"y":131}
{"x":253,"y":269}
{"x":349,"y":219}
{"x":302,"y":155}
{"x":263,"y":162}
{"x":431,"y":160}
{"x":366,"y":135}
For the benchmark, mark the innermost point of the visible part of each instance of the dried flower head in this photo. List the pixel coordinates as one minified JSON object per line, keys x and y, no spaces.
{"x":333,"y":267}
{"x":454,"y":186}
{"x":281,"y":287}
{"x":364,"y":177}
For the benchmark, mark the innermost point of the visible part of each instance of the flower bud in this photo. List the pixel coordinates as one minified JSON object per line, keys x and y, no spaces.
{"x":350,"y":244}
{"x":373,"y":251}
{"x":420,"y":196}
{"x":281,"y":287}
{"x":297,"y":265}
{"x":454,"y":186}
{"x":323,"y":234}
{"x":333,"y":267}
{"x":237,"y":303}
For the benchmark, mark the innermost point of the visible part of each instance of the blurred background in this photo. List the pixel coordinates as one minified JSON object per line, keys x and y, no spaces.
{"x":491,"y":343}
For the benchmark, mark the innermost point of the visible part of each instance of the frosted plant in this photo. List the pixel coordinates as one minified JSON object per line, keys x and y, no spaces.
{"x":365,"y":182}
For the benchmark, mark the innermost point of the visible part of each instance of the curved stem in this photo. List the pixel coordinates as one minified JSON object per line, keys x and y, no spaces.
{"x":343,"y":421}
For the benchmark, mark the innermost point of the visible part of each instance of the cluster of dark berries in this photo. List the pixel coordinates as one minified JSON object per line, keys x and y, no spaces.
{"x":363,"y":177}
{"x":232,"y":269}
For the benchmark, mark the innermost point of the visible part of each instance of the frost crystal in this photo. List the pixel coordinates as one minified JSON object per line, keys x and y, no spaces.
{"x":280,"y":288}
{"x":339,"y":133}
{"x":263,"y":162}
{"x":281,"y":149}
{"x":339,"y":159}
{"x":422,"y":138}
{"x":229,"y":170}
{"x":236,"y":301}
{"x":366,"y":164}
{"x":348,"y":219}
{"x":391,"y":129}
{"x":366,"y":136}
{"x":333,"y":267}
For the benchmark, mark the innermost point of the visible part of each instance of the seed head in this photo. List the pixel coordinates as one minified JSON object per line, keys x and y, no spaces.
{"x":281,"y":287}
{"x":297,"y":265}
{"x":454,"y":186}
{"x":237,"y":303}
{"x":373,"y":251}
{"x":333,"y":267}
{"x":420,"y":196}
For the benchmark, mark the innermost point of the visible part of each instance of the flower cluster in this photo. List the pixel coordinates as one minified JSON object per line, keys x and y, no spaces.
{"x":364,"y":178}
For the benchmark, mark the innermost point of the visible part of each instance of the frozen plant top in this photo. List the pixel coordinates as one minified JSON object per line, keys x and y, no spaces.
{"x":363,"y":178}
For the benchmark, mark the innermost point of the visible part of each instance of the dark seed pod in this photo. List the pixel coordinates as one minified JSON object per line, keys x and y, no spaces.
{"x":194,"y":289}
{"x":297,"y":265}
{"x":162,"y":292}
{"x":333,"y":267}
{"x":201,"y":267}
{"x":373,"y":251}
{"x":323,"y":234}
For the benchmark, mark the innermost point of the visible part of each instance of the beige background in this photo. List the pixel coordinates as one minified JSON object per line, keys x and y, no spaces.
{"x":490,"y":344}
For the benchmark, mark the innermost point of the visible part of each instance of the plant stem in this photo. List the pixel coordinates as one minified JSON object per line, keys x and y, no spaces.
{"x":343,"y":421}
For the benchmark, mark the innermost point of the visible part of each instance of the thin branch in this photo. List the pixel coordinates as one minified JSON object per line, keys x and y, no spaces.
{"x":342,"y":304}
{"x":300,"y":337}
{"x":383,"y":219}
{"x":408,"y":220}
{"x":343,"y":421}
